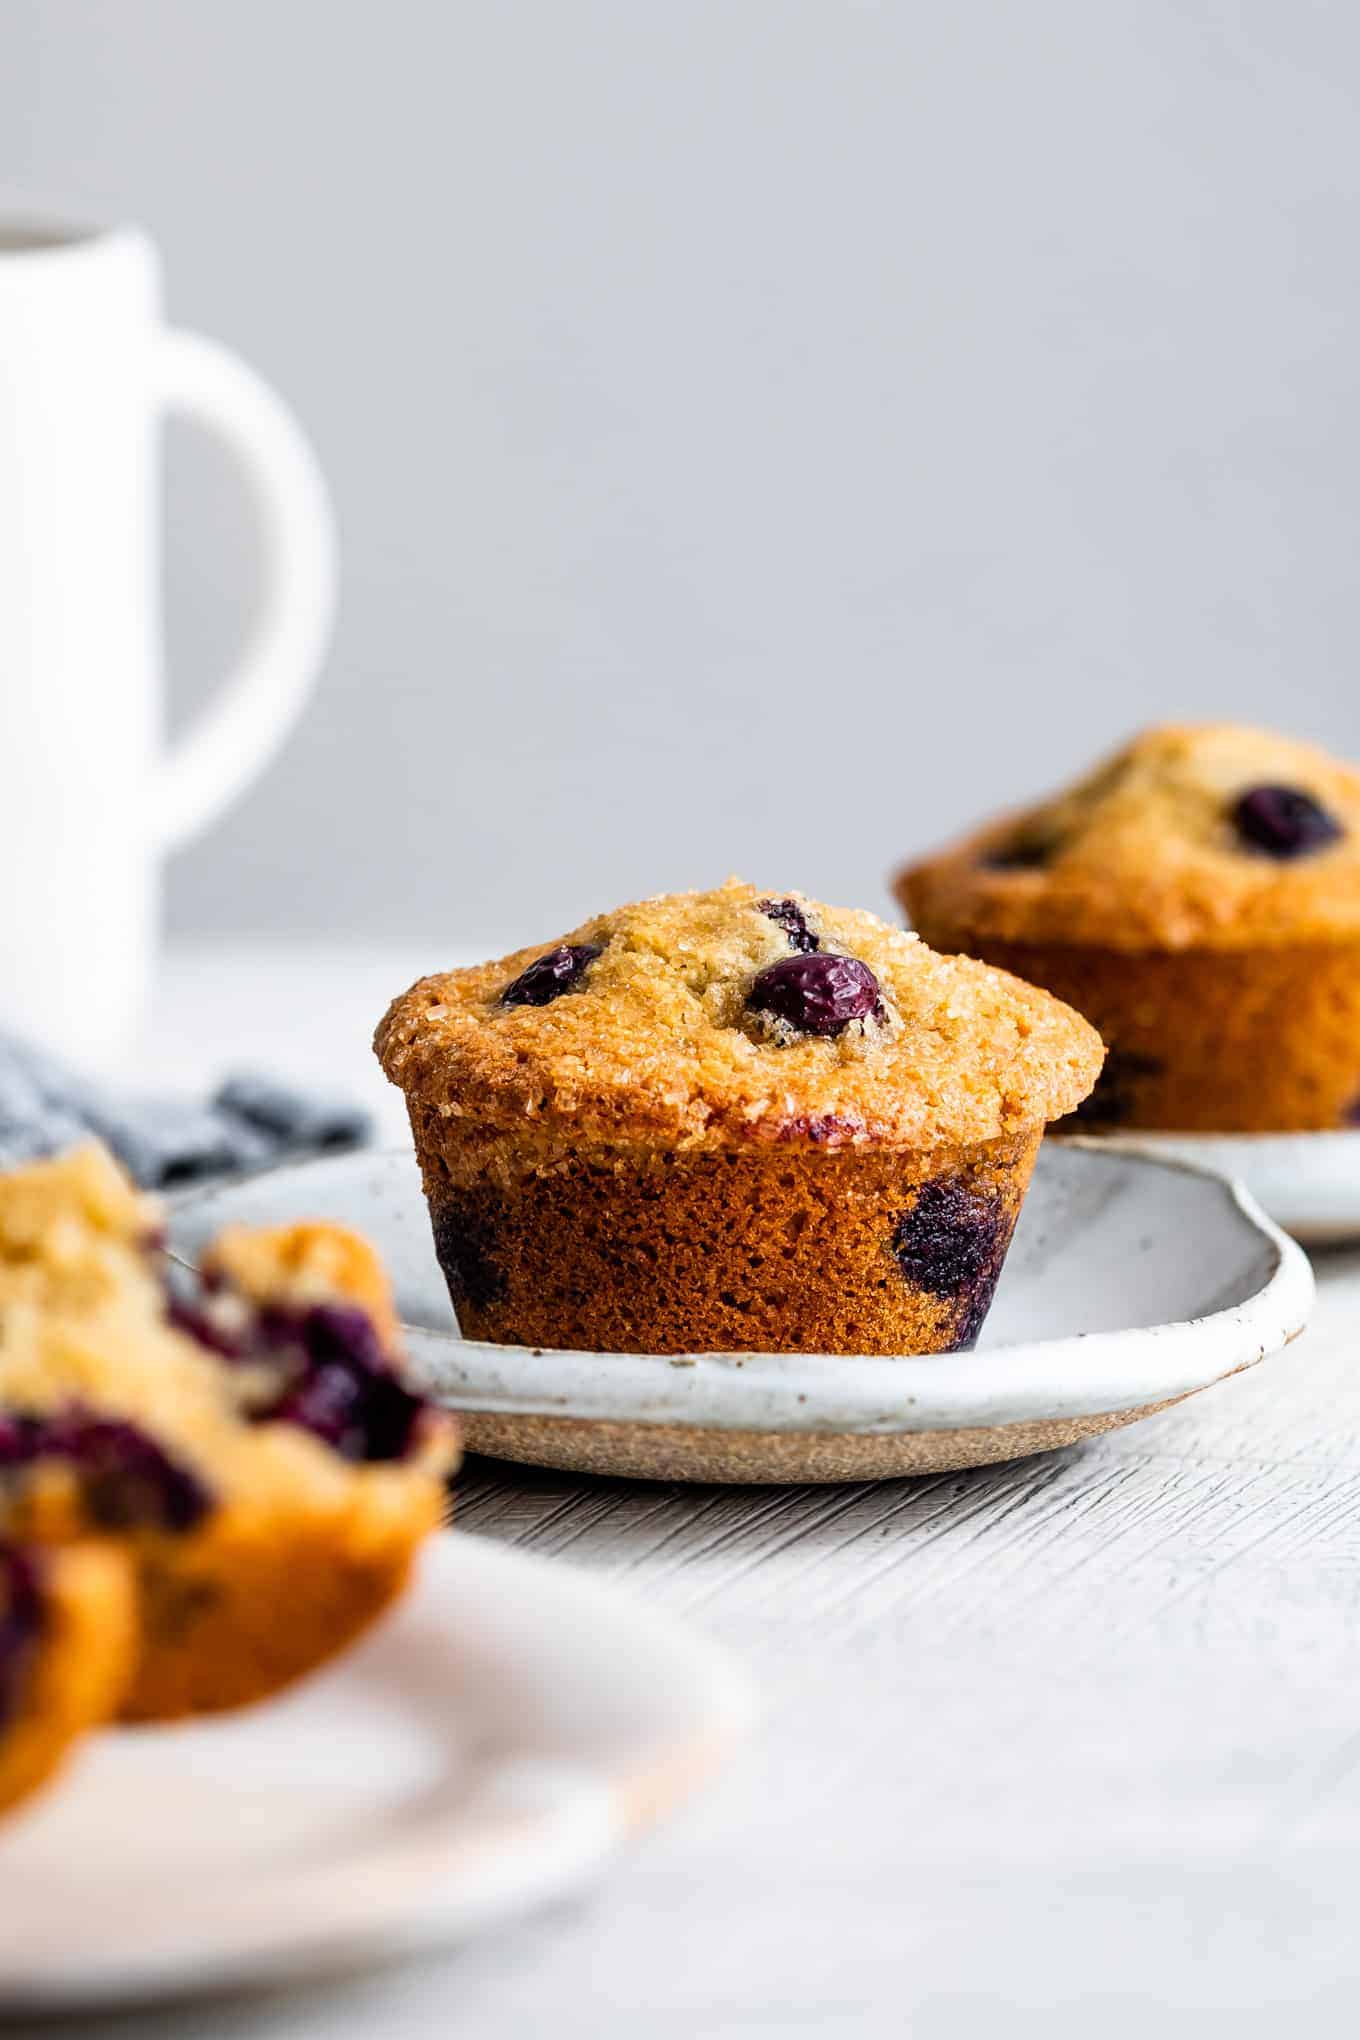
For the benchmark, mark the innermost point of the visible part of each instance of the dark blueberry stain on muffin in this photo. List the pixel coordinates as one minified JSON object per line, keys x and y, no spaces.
{"x":1284,"y":822}
{"x":949,"y":1236}
{"x":793,"y":921}
{"x":952,"y":1241}
{"x":1024,"y":850}
{"x":200,"y":1322}
{"x":1115,"y":1096}
{"x":973,"y":1314}
{"x":819,"y":994}
{"x":127,"y":1480}
{"x":339,"y":1382}
{"x":463,"y":1249}
{"x":547,"y":977}
{"x":21,"y":1624}
{"x":1351,"y":1115}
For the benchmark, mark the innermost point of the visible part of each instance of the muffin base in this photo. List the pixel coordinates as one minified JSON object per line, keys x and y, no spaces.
{"x":807,"y":1250}
{"x":1210,"y":1041}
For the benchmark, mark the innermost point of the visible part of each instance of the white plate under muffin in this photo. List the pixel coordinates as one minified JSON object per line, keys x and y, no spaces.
{"x":1132,"y":1281}
{"x":496,"y":1739}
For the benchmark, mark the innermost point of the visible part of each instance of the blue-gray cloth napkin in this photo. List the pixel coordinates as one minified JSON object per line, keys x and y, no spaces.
{"x":249,"y":1120}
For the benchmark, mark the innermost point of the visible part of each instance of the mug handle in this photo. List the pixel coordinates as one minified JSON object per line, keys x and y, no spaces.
{"x":262,"y":698}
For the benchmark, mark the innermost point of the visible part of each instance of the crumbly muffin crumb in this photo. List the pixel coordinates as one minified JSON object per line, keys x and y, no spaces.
{"x":255,"y":1448}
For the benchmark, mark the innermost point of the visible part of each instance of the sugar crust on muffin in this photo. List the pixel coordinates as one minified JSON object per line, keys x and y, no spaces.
{"x":656,"y":1043}
{"x":1147,"y":853}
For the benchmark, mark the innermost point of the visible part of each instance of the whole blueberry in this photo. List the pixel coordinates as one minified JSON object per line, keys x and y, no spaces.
{"x":793,"y":921}
{"x":547,"y":977}
{"x":1283,"y":821}
{"x":819,"y":994}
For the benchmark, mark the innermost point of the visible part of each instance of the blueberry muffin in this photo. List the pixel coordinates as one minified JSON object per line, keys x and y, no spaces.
{"x":250,"y":1444}
{"x":729,"y":1120}
{"x":67,"y":1647}
{"x":1198,"y":899}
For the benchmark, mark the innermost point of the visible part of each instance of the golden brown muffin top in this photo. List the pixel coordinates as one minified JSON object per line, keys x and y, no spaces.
{"x":689,"y":1020}
{"x":1196,"y":836}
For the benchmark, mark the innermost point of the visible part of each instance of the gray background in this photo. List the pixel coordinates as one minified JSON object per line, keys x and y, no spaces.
{"x":765,"y":434}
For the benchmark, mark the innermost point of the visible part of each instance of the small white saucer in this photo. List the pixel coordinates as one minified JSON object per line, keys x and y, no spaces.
{"x":1308,"y":1182}
{"x":1131,"y":1282}
{"x":489,"y":1747}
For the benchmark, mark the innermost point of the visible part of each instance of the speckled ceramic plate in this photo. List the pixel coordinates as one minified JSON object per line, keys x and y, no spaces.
{"x":1308,"y":1182}
{"x":489,"y":1747}
{"x":1131,"y":1282}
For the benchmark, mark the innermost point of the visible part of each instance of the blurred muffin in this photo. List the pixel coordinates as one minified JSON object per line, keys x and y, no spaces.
{"x":729,"y":1120}
{"x":252,"y":1448}
{"x":1198,"y":899}
{"x":68,"y":1632}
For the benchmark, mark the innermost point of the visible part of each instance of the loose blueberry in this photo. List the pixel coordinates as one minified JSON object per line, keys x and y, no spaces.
{"x":793,"y":921}
{"x":547,"y":977}
{"x":1115,"y":1097}
{"x":1284,"y":822}
{"x":21,"y":1622}
{"x":818,"y":994}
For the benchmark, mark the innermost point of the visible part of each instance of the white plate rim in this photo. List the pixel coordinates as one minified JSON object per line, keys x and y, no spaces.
{"x":1308,"y":1182}
{"x":453,"y":1875}
{"x":1091,"y":1374}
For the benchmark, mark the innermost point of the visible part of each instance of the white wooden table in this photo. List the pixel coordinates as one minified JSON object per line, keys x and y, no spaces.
{"x":1068,"y":1746}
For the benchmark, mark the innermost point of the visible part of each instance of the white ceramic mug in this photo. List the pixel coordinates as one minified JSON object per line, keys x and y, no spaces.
{"x":89,"y":801}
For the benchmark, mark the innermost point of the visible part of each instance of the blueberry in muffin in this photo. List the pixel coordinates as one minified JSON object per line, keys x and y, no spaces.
{"x":249,"y":1444}
{"x":1197,"y":897}
{"x":67,"y":1646}
{"x":729,"y":1121}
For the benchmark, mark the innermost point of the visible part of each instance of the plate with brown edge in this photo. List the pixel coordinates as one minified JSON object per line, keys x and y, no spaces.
{"x":1132,"y":1281}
